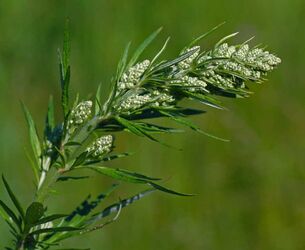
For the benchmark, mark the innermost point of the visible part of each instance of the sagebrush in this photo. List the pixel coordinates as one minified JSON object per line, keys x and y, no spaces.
{"x":84,"y":139}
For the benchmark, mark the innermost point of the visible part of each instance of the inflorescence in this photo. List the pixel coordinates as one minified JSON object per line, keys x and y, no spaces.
{"x":101,"y":146}
{"x":142,"y":90}
{"x":221,"y":71}
{"x":132,"y":77}
{"x":79,"y":115}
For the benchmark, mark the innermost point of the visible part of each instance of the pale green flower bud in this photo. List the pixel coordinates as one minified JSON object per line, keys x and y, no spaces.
{"x":192,"y":84}
{"x":133,"y":75}
{"x":101,"y":146}
{"x":186,"y":64}
{"x":79,"y":115}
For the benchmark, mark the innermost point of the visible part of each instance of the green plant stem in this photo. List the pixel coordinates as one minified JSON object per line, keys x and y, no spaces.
{"x":49,"y":180}
{"x":49,"y":175}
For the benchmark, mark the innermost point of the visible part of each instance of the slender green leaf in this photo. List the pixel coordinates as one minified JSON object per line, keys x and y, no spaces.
{"x":192,"y":126}
{"x":161,"y":51}
{"x":154,"y":113}
{"x":55,"y":230}
{"x":114,"y":208}
{"x":116,"y":174}
{"x":13,"y":198}
{"x":65,"y":92}
{"x":49,"y":218}
{"x":33,"y":165}
{"x":169,"y":191}
{"x":80,"y":214}
{"x":65,"y":69}
{"x":175,"y":61}
{"x":115,"y":156}
{"x":10,"y":214}
{"x":140,"y":129}
{"x":142,"y":47}
{"x":80,"y":159}
{"x":67,"y":178}
{"x":225,"y":39}
{"x":137,"y":129}
{"x":66,"y":46}
{"x":204,"y":99}
{"x":98,"y":107}
{"x":33,"y":135}
{"x":72,"y":143}
{"x":204,"y":35}
{"x":50,"y":120}
{"x":127,"y":176}
{"x":129,"y":125}
{"x":3,"y":214}
{"x":122,"y":63}
{"x":61,"y":156}
{"x":153,"y":128}
{"x":137,"y":175}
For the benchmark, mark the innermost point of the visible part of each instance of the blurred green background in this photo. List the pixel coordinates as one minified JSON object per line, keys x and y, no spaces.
{"x":251,"y":191}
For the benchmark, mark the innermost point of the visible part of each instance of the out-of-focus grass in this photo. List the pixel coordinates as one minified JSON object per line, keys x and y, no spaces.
{"x":251,"y":190}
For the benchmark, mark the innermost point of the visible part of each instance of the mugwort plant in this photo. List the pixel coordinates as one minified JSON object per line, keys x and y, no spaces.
{"x":84,"y":139}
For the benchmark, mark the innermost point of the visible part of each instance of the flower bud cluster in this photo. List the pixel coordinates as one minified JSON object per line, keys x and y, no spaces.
{"x":235,"y":61}
{"x":133,"y":75}
{"x":257,"y":58}
{"x":137,"y":100}
{"x":79,"y":115}
{"x":101,"y":146}
{"x":192,"y":84}
{"x":133,"y":102}
{"x":187,"y":63}
{"x":245,"y":61}
{"x":162,"y":99}
{"x":224,"y":50}
{"x":218,"y":79}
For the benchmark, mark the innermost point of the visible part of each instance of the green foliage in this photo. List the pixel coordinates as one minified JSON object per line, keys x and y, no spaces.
{"x":141,"y":90}
{"x":13,"y":198}
{"x":64,"y":66}
{"x":33,"y":213}
{"x":33,"y":136}
{"x":142,"y":47}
